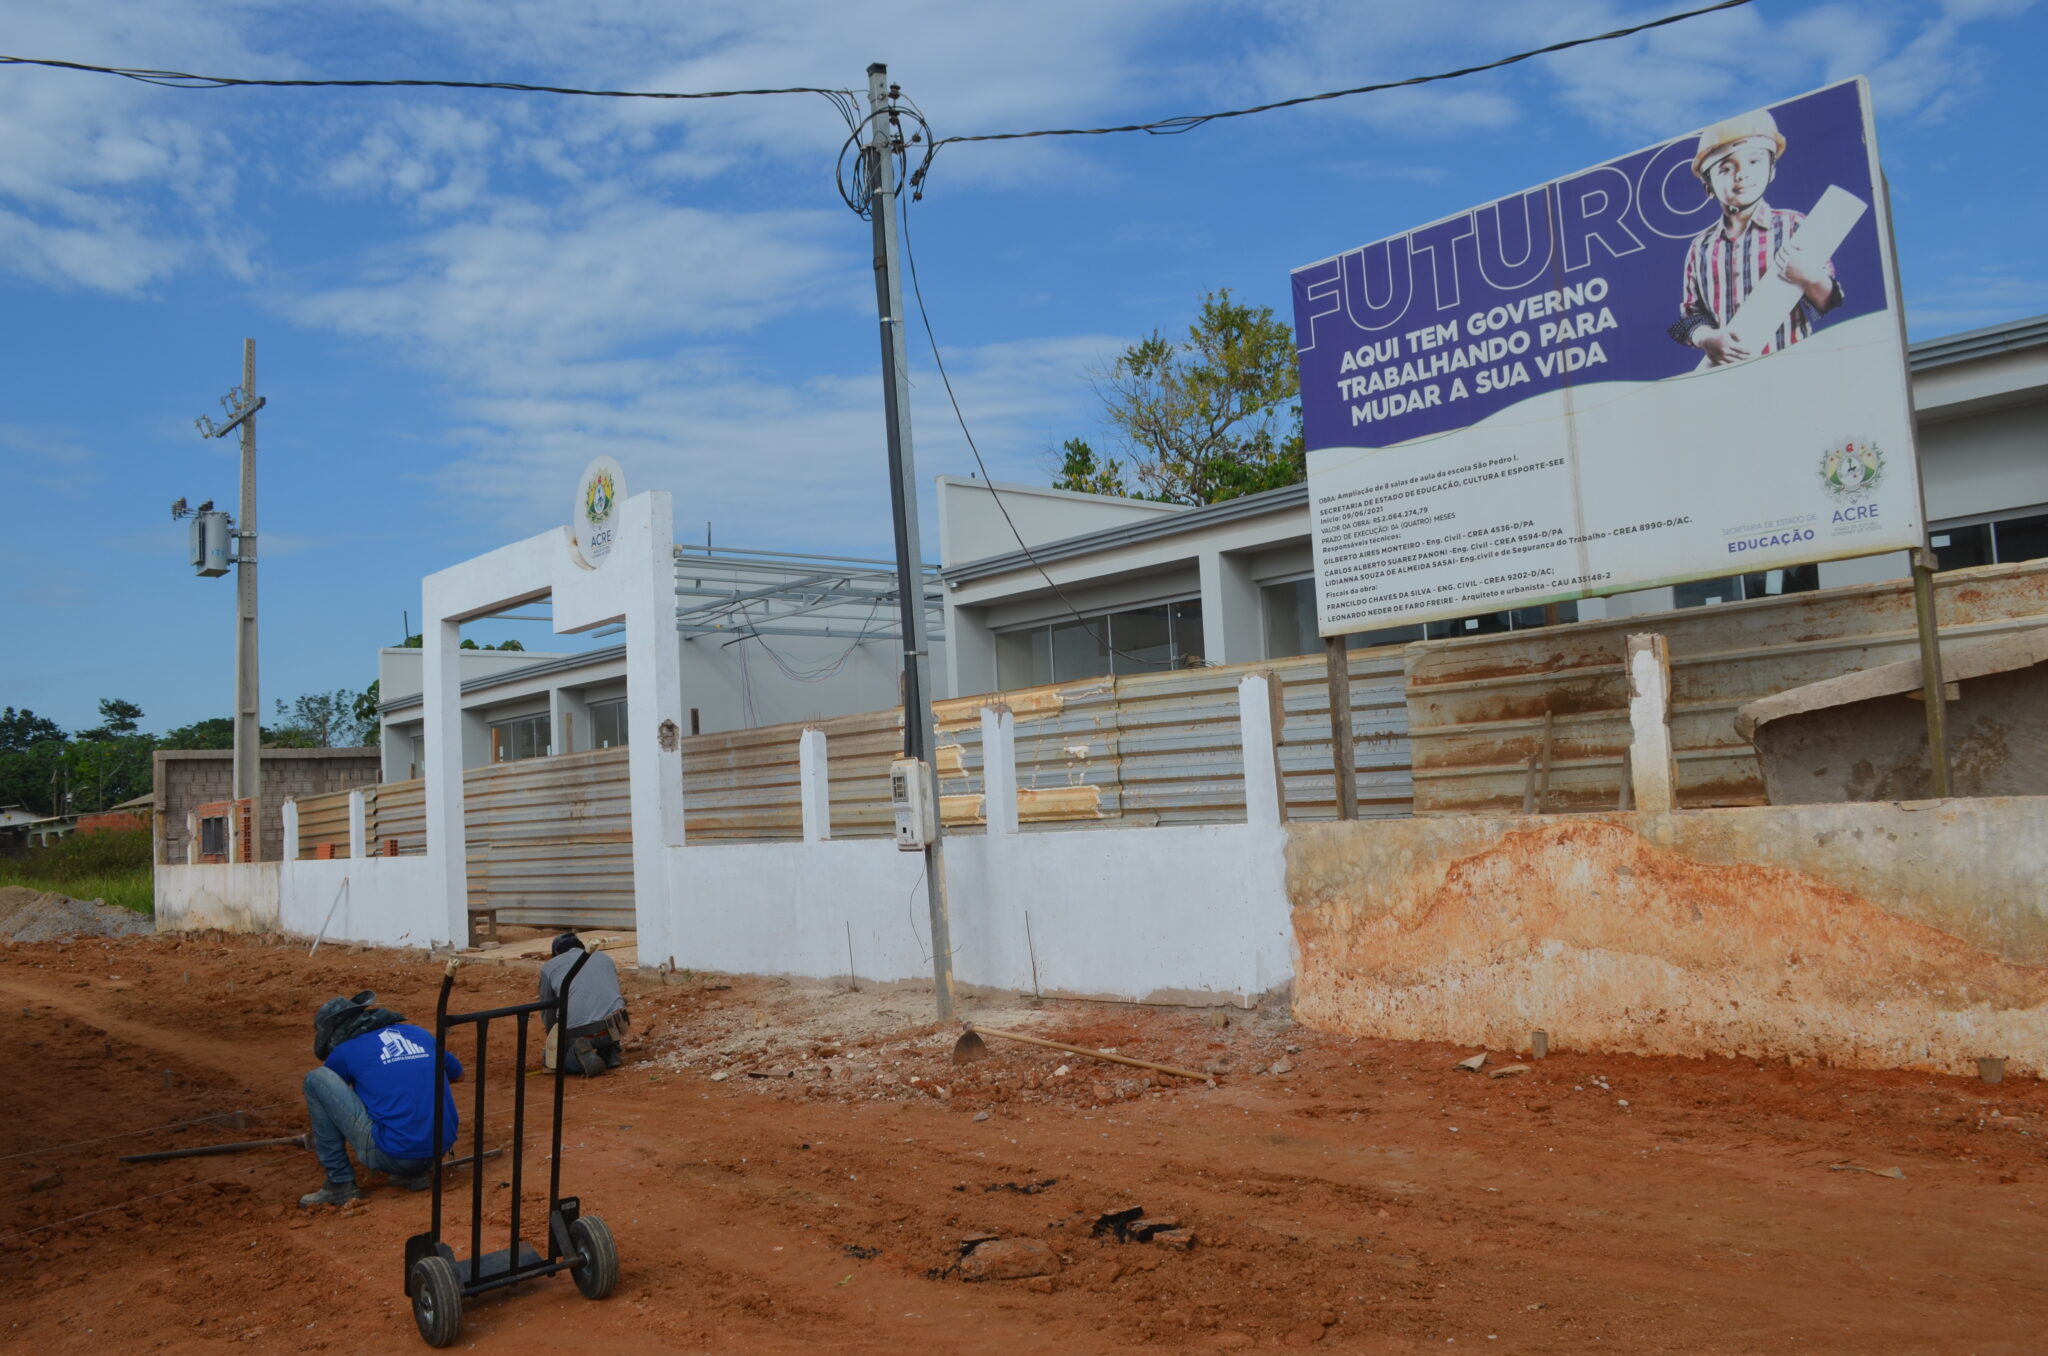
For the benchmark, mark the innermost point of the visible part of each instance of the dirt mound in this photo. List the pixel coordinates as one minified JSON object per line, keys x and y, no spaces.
{"x":28,"y":915}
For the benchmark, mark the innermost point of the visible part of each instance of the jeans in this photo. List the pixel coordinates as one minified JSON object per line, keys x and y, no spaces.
{"x":339,"y":1121}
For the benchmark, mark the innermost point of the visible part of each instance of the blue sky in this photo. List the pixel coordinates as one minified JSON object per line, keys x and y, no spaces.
{"x":459,"y":298}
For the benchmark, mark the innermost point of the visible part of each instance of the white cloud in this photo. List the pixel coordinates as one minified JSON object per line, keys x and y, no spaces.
{"x":532,"y":284}
{"x":749,"y":452}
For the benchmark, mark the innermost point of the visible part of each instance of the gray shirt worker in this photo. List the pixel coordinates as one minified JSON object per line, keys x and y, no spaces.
{"x":595,"y":995}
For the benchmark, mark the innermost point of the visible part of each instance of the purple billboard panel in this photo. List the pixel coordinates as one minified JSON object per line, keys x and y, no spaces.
{"x":1636,"y":374}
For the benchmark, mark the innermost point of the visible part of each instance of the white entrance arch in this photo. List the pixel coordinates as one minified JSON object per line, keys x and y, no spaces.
{"x":635,"y":586}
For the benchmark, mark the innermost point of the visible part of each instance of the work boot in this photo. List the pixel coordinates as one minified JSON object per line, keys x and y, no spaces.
{"x":612,"y":1057}
{"x":417,"y":1182}
{"x":584,"y":1057}
{"x":331,"y":1193}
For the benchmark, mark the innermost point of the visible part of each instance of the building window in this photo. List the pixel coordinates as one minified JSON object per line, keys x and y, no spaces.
{"x":2001,"y":542}
{"x":1290,"y":609}
{"x":608,"y":724}
{"x":512,"y":740}
{"x":213,"y":838}
{"x":1734,"y":588}
{"x":1149,"y":639}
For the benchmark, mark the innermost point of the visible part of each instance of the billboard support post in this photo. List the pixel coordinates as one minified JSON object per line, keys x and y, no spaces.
{"x":1345,"y":762}
{"x":1933,"y":692}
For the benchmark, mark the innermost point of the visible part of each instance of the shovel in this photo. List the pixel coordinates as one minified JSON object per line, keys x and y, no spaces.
{"x":971,"y":1047}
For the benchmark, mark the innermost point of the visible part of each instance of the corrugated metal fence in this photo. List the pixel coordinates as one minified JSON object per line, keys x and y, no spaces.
{"x":1476,"y":708}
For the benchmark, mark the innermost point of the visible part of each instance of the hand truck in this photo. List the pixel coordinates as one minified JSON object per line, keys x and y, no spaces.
{"x":435,"y":1280}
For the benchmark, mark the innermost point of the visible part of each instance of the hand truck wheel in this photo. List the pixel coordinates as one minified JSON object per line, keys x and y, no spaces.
{"x":437,"y":1300}
{"x":596,"y":1266}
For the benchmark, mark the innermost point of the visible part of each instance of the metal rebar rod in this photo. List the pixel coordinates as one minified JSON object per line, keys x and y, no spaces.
{"x":476,"y":1179}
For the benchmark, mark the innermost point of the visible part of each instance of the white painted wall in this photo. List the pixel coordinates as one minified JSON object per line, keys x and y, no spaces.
{"x":385,"y":901}
{"x":237,"y":897}
{"x":1135,"y":913}
{"x":972,"y":525}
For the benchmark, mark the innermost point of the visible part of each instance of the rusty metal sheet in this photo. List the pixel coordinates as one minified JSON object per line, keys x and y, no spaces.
{"x":551,"y":840}
{"x":1476,"y":707}
{"x":323,"y":819}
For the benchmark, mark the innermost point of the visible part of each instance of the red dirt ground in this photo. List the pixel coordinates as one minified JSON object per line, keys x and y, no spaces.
{"x":1372,"y":1198}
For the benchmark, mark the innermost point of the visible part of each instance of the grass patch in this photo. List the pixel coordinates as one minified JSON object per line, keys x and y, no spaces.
{"x":115,"y":867}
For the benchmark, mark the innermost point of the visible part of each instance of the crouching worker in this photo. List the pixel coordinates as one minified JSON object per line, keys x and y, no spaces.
{"x":597,"y":1010}
{"x":374,"y":1093}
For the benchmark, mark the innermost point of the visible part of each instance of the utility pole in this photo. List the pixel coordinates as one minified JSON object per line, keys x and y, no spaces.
{"x":885,"y":138}
{"x":241,"y":405}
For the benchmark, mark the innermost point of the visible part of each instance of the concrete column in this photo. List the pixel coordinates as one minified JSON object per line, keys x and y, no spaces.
{"x":644,"y":554}
{"x":970,"y":651}
{"x":441,"y":703}
{"x":289,"y":814}
{"x":999,"y":769}
{"x":1653,"y":771}
{"x":569,"y":722}
{"x":1257,"y":719}
{"x":1233,"y":630}
{"x":191,"y":838}
{"x":358,"y":832}
{"x":814,"y":785}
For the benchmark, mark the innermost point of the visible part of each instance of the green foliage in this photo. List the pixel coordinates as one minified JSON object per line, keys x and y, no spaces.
{"x":1081,"y":471}
{"x":119,"y":717}
{"x":365,"y":710}
{"x":115,"y":867}
{"x":215,"y":732}
{"x":413,"y":642}
{"x":101,"y":772}
{"x":1206,"y":418}
{"x":319,"y":720}
{"x":21,"y":730}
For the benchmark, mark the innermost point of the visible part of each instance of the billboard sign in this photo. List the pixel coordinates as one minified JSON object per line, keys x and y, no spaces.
{"x":1681,"y":364}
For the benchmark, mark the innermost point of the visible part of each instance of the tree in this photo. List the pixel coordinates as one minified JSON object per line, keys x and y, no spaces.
{"x":318,"y":720}
{"x":412,"y":642}
{"x":215,"y":732}
{"x":1082,"y":472}
{"x":117,"y":718}
{"x":1207,"y":418}
{"x":23,"y":729}
{"x":369,"y":727}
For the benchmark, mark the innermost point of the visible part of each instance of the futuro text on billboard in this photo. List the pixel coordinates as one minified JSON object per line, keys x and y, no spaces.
{"x":1681,"y":364}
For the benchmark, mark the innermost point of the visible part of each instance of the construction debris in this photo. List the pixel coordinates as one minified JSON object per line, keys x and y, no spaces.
{"x":1475,"y":1063}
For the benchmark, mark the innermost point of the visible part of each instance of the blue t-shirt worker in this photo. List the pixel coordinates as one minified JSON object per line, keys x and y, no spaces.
{"x":374,"y":1094}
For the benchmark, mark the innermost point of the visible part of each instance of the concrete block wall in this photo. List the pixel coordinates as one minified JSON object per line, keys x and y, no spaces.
{"x":187,"y":778}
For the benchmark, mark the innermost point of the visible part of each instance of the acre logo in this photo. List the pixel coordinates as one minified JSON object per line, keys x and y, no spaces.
{"x":1851,"y":471}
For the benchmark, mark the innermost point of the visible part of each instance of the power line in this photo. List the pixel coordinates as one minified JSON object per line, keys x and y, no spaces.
{"x":1188,"y":122}
{"x":917,"y":291}
{"x":186,"y":80}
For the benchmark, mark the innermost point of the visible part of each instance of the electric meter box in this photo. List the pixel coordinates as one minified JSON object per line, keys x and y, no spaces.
{"x":210,"y":540}
{"x":910,"y":795}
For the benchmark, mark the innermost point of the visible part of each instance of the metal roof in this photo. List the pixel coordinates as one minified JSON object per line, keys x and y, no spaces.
{"x":1124,"y":534}
{"x":1992,"y":339}
{"x":745,"y":593}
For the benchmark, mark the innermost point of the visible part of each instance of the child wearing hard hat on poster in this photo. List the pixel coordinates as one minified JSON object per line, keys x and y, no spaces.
{"x":1736,"y":162}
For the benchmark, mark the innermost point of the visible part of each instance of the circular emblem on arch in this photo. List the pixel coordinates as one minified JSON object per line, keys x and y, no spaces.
{"x":593,"y":517}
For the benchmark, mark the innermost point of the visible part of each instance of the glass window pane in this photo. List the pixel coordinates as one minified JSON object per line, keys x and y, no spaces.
{"x":1957,"y":548}
{"x":1143,"y":638}
{"x":1485,"y":624}
{"x":1188,"y":651}
{"x":608,"y":724}
{"x":1290,"y":610}
{"x":1024,"y":658}
{"x":1707,"y":592}
{"x":1079,"y":650}
{"x":2022,"y":539}
{"x":1385,"y":635}
{"x":1772,"y":583}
